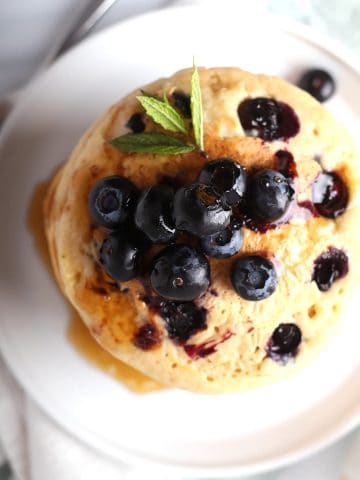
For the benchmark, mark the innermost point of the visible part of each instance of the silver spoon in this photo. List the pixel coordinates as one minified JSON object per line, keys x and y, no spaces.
{"x":83,"y":24}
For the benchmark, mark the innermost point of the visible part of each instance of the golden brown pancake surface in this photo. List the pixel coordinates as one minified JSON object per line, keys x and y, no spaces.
{"x":238,"y":331}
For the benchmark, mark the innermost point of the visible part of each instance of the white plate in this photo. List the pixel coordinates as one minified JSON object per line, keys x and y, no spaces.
{"x":200,"y":435}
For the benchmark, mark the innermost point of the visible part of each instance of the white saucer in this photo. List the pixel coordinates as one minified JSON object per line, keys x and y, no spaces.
{"x":199,"y":435}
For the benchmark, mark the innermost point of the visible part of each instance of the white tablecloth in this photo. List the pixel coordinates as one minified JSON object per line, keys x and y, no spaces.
{"x":37,"y":448}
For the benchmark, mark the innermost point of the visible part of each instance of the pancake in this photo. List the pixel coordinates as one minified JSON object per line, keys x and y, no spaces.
{"x":232,"y":352}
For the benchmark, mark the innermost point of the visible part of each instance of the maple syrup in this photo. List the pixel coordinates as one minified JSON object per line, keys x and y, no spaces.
{"x":35,"y":222}
{"x":78,"y":334}
{"x":85,"y":344}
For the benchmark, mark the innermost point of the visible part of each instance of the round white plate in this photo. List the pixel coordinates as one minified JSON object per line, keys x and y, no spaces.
{"x":199,"y":435}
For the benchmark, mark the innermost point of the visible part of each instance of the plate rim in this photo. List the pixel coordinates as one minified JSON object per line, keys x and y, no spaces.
{"x":106,"y":447}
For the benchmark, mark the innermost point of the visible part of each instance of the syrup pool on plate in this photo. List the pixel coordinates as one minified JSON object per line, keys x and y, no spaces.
{"x":78,"y":334}
{"x":85,"y":344}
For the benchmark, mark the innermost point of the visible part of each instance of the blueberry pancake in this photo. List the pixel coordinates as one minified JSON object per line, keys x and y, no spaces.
{"x":205,"y":229}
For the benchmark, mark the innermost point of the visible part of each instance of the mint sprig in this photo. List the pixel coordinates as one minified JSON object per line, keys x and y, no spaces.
{"x":151,"y":143}
{"x":196,"y":108}
{"x":150,"y":95}
{"x":163,"y":113}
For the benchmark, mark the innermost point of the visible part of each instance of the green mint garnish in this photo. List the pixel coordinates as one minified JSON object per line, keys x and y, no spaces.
{"x":196,"y":108}
{"x":151,"y":143}
{"x":150,"y":95}
{"x":163,"y":113}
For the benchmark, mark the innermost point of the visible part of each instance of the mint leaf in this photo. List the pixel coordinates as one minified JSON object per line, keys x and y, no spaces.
{"x":196,"y":108}
{"x":163,"y":113}
{"x":151,"y":143}
{"x":150,"y":95}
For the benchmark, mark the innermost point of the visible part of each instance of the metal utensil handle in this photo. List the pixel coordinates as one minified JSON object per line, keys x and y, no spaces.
{"x":90,"y":15}
{"x":93,"y":12}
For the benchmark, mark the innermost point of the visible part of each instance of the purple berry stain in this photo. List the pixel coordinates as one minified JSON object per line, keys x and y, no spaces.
{"x":207,"y":348}
{"x":147,"y":337}
{"x":285,"y":164}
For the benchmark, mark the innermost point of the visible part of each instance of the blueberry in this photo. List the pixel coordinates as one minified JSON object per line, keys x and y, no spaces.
{"x":136,"y":123}
{"x":182,"y":103}
{"x":269,"y":195}
{"x":111,"y":201}
{"x":121,"y":254}
{"x":285,"y":340}
{"x":289,"y":123}
{"x":319,"y":83}
{"x":223,"y":244}
{"x":254,"y":277}
{"x":227,"y":178}
{"x":260,"y":117}
{"x":268,"y":119}
{"x":198,"y":210}
{"x":181,"y":273}
{"x":182,"y":319}
{"x":153,"y":214}
{"x":330,"y":195}
{"x":329,"y":267}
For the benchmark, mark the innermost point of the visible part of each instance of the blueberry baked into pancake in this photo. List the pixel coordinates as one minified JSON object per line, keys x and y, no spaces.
{"x":205,"y":228}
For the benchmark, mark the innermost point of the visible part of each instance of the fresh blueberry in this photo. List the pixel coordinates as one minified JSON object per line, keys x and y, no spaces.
{"x":182,"y":103}
{"x":319,"y":83}
{"x":329,"y":267}
{"x":285,"y":340}
{"x":153,"y":214}
{"x":112,"y":200}
{"x":180,"y":273}
{"x":268,"y":119}
{"x":198,"y":210}
{"x":227,"y":178}
{"x":259,"y":117}
{"x":254,"y":277}
{"x":223,"y":244}
{"x":136,"y":123}
{"x":330,"y":195}
{"x":269,"y":195}
{"x":182,"y":319}
{"x":121,"y":254}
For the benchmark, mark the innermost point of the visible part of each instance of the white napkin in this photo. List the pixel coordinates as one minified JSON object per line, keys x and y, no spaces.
{"x":352,"y":463}
{"x":38,"y":449}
